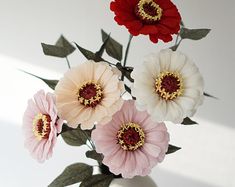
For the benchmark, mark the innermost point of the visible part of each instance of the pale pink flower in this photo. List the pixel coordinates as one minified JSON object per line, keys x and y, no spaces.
{"x":41,"y":125}
{"x":132,"y":144}
{"x":89,"y":93}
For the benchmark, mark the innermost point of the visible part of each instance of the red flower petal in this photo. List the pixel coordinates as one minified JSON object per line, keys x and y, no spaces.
{"x":149,"y":29}
{"x":167,"y":24}
{"x":153,"y":38}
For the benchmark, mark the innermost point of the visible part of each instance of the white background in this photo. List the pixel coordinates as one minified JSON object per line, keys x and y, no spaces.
{"x":207,"y":158}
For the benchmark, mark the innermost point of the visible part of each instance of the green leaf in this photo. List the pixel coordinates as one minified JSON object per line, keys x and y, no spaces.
{"x":94,"y":155}
{"x":66,"y":128}
{"x":89,"y":54}
{"x":172,"y":149}
{"x":188,"y":121}
{"x":76,"y":137}
{"x":208,"y":95}
{"x":51,"y":83}
{"x":126,"y":71}
{"x":113,"y":48}
{"x":72,"y":174}
{"x":63,"y":42}
{"x":61,"y":49}
{"x":102,"y":48}
{"x":99,"y":180}
{"x":193,"y":34}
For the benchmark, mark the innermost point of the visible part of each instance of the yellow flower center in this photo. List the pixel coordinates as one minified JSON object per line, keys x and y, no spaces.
{"x":130,"y":136}
{"x":41,"y":126}
{"x":169,"y":85}
{"x":148,"y":11}
{"x":90,"y":94}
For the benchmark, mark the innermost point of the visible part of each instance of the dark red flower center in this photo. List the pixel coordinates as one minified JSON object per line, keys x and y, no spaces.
{"x":131,"y":136}
{"x":41,"y":126}
{"x":148,"y":11}
{"x":88,"y":91}
{"x":169,"y":85}
{"x":90,"y":94}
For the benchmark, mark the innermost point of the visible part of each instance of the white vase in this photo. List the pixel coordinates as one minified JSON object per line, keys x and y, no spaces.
{"x":134,"y":182}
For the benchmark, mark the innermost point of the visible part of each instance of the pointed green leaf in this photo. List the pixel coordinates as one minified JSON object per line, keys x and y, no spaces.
{"x":52,"y":50}
{"x":61,"y":49}
{"x":94,"y":155}
{"x":193,"y":34}
{"x":99,"y":180}
{"x":63,"y":42}
{"x":113,"y":48}
{"x":188,"y":121}
{"x":66,"y":128}
{"x":102,"y":48}
{"x":76,"y":137}
{"x":89,"y":54}
{"x":72,"y":174}
{"x":51,"y":83}
{"x":208,"y":95}
{"x":172,"y":149}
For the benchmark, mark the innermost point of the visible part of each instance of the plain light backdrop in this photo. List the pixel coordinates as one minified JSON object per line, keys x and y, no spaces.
{"x":207,"y":158}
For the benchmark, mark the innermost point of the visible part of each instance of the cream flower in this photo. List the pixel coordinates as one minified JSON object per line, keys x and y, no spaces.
{"x":89,"y":93}
{"x":169,"y":86}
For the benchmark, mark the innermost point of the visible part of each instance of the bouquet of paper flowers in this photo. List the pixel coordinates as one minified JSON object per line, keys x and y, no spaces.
{"x":118,"y":111}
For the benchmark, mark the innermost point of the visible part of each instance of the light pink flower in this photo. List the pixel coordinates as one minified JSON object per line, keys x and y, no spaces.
{"x":89,"y":93}
{"x":41,"y":125}
{"x":132,"y":144}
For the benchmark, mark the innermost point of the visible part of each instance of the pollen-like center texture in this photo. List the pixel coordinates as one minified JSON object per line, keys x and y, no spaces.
{"x":130,"y":136}
{"x":41,"y":126}
{"x":169,"y":85}
{"x":148,"y":11}
{"x":90,"y":94}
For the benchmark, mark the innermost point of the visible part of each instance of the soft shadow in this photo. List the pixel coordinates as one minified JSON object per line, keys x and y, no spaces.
{"x":166,"y":178}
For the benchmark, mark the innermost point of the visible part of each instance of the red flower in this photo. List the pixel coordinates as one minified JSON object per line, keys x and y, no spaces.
{"x":157,"y":18}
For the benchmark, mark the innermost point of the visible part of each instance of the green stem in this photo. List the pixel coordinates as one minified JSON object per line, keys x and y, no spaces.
{"x":177,"y":37}
{"x":88,"y":138}
{"x":89,"y":147}
{"x":127,"y":50}
{"x":178,"y":44}
{"x":126,"y":53}
{"x":68,"y":62}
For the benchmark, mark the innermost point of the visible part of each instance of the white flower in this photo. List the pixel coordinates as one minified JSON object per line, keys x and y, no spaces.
{"x":168,"y":85}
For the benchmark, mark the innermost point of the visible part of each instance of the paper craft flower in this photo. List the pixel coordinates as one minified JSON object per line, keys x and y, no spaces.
{"x":157,"y":18}
{"x":89,"y":93}
{"x":41,"y":125}
{"x":169,"y":86}
{"x":131,"y":143}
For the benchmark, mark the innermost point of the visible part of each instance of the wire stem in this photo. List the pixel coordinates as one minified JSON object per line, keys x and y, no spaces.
{"x":68,"y":62}
{"x":127,"y":50}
